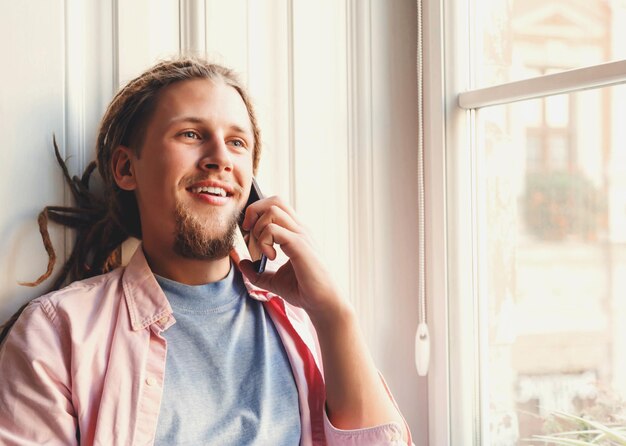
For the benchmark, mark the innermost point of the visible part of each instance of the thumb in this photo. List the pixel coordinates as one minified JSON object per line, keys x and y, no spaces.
{"x":262,"y":280}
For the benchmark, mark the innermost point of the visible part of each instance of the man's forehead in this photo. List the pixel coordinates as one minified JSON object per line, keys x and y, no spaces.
{"x":202,"y":100}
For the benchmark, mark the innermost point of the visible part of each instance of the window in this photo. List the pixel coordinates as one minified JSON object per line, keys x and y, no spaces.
{"x":550,"y":262}
{"x":535,"y":159}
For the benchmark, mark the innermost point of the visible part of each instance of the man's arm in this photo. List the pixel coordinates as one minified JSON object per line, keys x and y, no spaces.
{"x":35,"y":398}
{"x":355,"y":394}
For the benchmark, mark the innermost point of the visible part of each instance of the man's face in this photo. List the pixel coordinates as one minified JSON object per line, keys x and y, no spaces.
{"x":194,"y":170}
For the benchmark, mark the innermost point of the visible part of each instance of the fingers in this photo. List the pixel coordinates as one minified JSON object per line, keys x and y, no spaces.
{"x":256,"y":210}
{"x":277,"y":215}
{"x":272,"y":222}
{"x":290,"y":242}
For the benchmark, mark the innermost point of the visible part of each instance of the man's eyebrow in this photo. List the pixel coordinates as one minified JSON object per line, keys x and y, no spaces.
{"x":196,"y":120}
{"x":192,"y":119}
{"x":239,"y":129}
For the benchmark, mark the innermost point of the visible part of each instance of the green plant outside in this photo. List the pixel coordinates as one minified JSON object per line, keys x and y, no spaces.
{"x":585,"y":432}
{"x":558,"y":205}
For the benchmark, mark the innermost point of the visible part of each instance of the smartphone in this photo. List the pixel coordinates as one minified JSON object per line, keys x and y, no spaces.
{"x":258,"y":258}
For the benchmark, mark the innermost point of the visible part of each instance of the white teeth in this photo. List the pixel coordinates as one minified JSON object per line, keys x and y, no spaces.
{"x":209,"y":190}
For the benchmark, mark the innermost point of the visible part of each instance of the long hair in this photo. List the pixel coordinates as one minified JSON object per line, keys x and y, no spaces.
{"x":102,"y":222}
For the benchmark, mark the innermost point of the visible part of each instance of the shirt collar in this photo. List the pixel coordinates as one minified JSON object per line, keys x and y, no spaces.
{"x":146,"y":301}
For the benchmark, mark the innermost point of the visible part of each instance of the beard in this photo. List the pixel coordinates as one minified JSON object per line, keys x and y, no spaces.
{"x":200,"y":239}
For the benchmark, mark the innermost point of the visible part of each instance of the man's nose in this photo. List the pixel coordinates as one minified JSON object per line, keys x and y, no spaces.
{"x":216,"y":156}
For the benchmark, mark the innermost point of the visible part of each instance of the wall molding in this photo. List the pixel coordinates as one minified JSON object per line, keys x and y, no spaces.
{"x":192,"y":34}
{"x":360,"y":160}
{"x":115,"y":45}
{"x":72,"y":142}
{"x":146,"y":32}
{"x":74,"y":139}
{"x":436,"y":247}
{"x":291,"y":101}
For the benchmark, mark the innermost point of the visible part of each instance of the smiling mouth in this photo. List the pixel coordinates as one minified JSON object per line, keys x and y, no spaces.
{"x":210,"y":190}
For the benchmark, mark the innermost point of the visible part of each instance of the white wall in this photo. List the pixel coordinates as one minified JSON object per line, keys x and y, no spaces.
{"x":334,"y":85}
{"x":31,"y":110}
{"x":64,"y":61}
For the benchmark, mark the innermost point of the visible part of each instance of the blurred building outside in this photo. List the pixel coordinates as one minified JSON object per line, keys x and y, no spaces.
{"x":554,"y":232}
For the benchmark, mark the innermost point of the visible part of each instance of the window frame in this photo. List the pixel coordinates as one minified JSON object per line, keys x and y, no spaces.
{"x":453,"y":216}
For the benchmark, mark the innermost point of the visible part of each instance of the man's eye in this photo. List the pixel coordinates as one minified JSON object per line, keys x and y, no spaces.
{"x":190,"y":134}
{"x":238,"y":143}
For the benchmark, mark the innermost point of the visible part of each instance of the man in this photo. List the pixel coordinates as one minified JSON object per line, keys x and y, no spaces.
{"x":188,"y":344}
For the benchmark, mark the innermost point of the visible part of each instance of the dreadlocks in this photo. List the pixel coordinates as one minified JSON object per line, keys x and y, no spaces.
{"x":102,"y":222}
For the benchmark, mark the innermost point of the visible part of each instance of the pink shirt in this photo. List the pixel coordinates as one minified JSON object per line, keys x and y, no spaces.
{"x":90,"y":358}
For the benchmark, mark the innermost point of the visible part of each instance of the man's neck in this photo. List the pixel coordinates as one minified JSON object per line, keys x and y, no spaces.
{"x":184,"y":270}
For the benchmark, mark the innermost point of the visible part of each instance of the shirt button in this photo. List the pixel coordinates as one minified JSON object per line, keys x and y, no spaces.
{"x":164,"y":320}
{"x":151,"y":381}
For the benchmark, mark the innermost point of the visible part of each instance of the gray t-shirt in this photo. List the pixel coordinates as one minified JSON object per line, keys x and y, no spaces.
{"x":227,"y":377}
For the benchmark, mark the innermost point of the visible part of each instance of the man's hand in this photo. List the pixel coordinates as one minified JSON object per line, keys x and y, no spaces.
{"x":355,"y":395}
{"x":303,"y":281}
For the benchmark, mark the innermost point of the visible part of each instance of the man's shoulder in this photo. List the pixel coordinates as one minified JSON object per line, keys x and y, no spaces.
{"x":77,"y":311}
{"x":90,"y":286}
{"x":82,"y":295}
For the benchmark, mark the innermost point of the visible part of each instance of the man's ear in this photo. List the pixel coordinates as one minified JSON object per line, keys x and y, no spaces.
{"x":123,"y":169}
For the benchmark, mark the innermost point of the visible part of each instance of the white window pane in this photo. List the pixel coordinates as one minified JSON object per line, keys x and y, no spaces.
{"x":557,"y":110}
{"x":532,"y":112}
{"x":558,"y":148}
{"x":519,"y":39}
{"x":534,"y":151}
{"x":552,"y":265}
